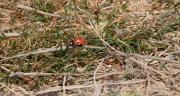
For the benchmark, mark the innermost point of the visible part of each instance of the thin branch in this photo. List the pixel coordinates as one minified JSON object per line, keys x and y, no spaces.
{"x":20,"y":74}
{"x":4,"y":68}
{"x":155,"y":58}
{"x":45,"y":50}
{"x":94,"y":77}
{"x":12,"y":34}
{"x":139,"y":56}
{"x":59,"y":88}
{"x":32,"y":53}
{"x":64,"y":86}
{"x":144,"y":66}
{"x":38,"y":11}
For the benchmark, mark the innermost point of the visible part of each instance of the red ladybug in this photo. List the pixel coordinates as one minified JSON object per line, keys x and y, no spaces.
{"x":79,"y":41}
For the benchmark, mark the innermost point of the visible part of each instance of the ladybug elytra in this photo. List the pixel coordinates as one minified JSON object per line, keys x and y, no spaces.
{"x":79,"y":41}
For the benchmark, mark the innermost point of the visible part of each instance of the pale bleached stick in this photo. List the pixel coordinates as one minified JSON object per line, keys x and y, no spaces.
{"x":46,"y":50}
{"x":11,"y":34}
{"x":4,"y":68}
{"x":31,"y":53}
{"x":139,"y":56}
{"x":59,"y":88}
{"x":155,"y":58}
{"x":38,"y":11}
{"x":21,"y":74}
{"x":94,"y":77}
{"x":64,"y":86}
{"x":99,"y":75}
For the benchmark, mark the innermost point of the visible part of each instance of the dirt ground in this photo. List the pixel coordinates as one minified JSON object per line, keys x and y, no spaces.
{"x":89,"y":48}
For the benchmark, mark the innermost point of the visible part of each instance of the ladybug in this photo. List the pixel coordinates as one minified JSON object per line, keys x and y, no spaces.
{"x":78,"y":41}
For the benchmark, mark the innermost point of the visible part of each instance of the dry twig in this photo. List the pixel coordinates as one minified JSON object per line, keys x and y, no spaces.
{"x":45,"y":50}
{"x":72,"y":87}
{"x":21,"y":74}
{"x":64,"y":85}
{"x":38,"y":11}
{"x":94,"y":76}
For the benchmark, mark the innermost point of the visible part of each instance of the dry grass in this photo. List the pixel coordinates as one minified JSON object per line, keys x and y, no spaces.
{"x":132,"y":48}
